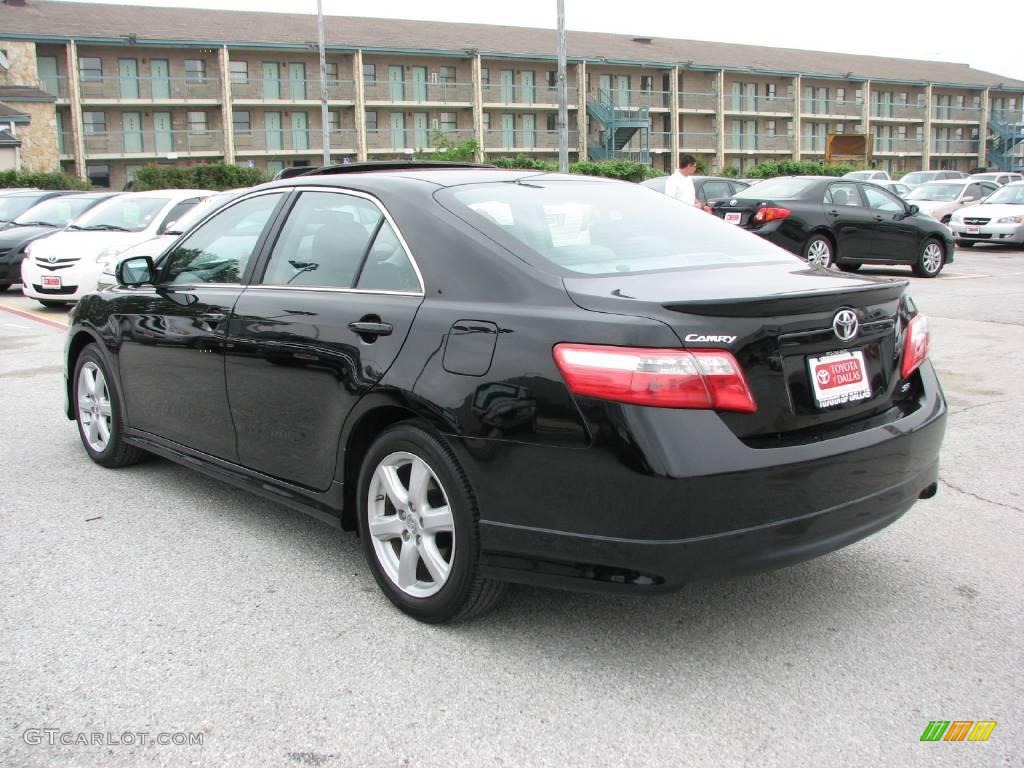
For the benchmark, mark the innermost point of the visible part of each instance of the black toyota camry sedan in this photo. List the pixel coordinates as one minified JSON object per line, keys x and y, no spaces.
{"x":505,"y":376}
{"x":844,"y":222}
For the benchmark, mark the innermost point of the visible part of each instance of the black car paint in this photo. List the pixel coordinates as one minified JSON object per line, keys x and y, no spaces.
{"x":572,"y":491}
{"x":860,"y":234}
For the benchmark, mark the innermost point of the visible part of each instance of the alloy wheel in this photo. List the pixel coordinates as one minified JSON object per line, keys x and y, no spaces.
{"x":94,"y":411}
{"x":931,"y":258}
{"x":819,"y":253}
{"x":411,"y":524}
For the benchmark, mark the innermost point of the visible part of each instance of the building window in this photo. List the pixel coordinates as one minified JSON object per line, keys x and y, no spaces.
{"x":333,"y":120}
{"x":446,"y":75}
{"x":552,"y":78}
{"x":90,"y":68}
{"x":858,"y":96}
{"x":331,"y":70}
{"x":485,"y":76}
{"x":241,"y":122}
{"x":195,"y":70}
{"x":840,"y":95}
{"x":789,"y":90}
{"x":646,"y":83}
{"x":976,"y":102}
{"x":769,"y":92}
{"x":369,"y":73}
{"x":449,"y":122}
{"x":371,"y":121}
{"x":94,"y":122}
{"x":901,"y":132}
{"x":99,"y":175}
{"x":552,"y":122}
{"x":974,"y":134}
{"x":789,"y":127}
{"x":197,"y":122}
{"x":239,"y":71}
{"x":840,"y":128}
{"x":769,"y":128}
{"x":487,"y":121}
{"x":921,"y":99}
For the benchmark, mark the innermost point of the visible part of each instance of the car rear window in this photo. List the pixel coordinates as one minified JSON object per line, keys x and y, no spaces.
{"x":777,"y":189}
{"x":591,"y":227}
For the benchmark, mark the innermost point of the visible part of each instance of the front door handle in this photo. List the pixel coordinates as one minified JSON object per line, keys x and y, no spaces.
{"x":879,"y":218}
{"x":372,"y":329}
{"x":833,"y":213}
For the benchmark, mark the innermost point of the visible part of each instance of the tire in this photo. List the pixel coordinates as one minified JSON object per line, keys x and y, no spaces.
{"x":818,"y":250}
{"x":98,"y":413}
{"x":439,"y":578}
{"x":5,"y":286}
{"x":945,"y":219}
{"x":52,"y":303}
{"x":931,"y":259}
{"x":851,"y":266}
{"x":965,"y":243}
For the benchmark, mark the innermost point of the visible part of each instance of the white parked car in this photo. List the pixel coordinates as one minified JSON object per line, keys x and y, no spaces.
{"x":64,"y":267}
{"x":155,"y":246}
{"x":939,"y":199}
{"x":867,"y":175}
{"x":999,"y":177}
{"x":898,"y":189}
{"x":1000,"y":219}
{"x":917,"y":178}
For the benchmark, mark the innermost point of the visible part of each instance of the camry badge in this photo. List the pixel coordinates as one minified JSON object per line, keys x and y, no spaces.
{"x":845,"y":325}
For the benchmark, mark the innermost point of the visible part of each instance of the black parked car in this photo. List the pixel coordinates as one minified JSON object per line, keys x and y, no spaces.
{"x":707,"y":188}
{"x":13,"y":204}
{"x":514,"y":376}
{"x":42,"y":219}
{"x":828,"y":220}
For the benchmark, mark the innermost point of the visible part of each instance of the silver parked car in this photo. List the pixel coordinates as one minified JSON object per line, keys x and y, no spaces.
{"x":871,"y":175}
{"x":999,"y":177}
{"x":1000,"y":219}
{"x":940,"y":199}
{"x":917,"y":178}
{"x":897,"y":188}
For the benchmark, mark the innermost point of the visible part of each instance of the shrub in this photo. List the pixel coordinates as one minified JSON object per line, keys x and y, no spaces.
{"x":793,"y":168}
{"x":731,"y":172}
{"x":52,"y":180}
{"x":449,"y":150}
{"x":523,"y":162}
{"x":215,"y":176}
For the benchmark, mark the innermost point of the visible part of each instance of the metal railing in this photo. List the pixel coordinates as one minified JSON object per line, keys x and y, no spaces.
{"x":689,"y":140}
{"x":57,"y":86}
{"x":66,"y":142}
{"x":150,"y":88}
{"x":282,"y":89}
{"x":417,"y":92}
{"x":949,"y":112}
{"x":759,"y":104}
{"x":659,"y":140}
{"x":758,"y":141}
{"x":622,"y":98}
{"x":1009,"y":116}
{"x":703,"y":101}
{"x":846,"y":107}
{"x":154,"y":143}
{"x":897,"y":111}
{"x":543,"y":95}
{"x":289,"y":140}
{"x":400,"y":140}
{"x":955,"y":146}
{"x":520,"y":139}
{"x":905,"y":146}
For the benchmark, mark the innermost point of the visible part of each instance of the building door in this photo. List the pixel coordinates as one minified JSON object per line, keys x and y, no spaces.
{"x":300,"y":130}
{"x":272,"y":125}
{"x":419,"y":84}
{"x":529,"y":139}
{"x":736,"y":97}
{"x":528,"y":87}
{"x":750,"y":97}
{"x":297,"y":80}
{"x":271,"y":80}
{"x":160,"y":78}
{"x":397,"y":130}
{"x":508,"y":130}
{"x":604,"y":86}
{"x":128,"y":78}
{"x":396,"y":83}
{"x":47,"y":68}
{"x":163,"y":136}
{"x":622,"y":90}
{"x":62,"y":142}
{"x":508,"y":88}
{"x":750,"y":134}
{"x":131,"y":126}
{"x":421,"y":134}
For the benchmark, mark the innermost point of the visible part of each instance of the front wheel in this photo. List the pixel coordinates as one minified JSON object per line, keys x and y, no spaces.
{"x":819,"y":252}
{"x":930,"y":261}
{"x":98,"y":413}
{"x":418,"y":524}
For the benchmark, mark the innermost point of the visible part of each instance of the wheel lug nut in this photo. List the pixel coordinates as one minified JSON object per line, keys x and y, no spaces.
{"x":405,"y":535}
{"x":401,"y":514}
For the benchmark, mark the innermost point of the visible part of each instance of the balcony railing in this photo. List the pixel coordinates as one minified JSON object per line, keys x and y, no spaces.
{"x":695,"y":140}
{"x":151,"y":88}
{"x":417,"y":92}
{"x":154,"y":143}
{"x":542,"y":95}
{"x":758,"y":141}
{"x":955,"y":146}
{"x":812,"y":143}
{"x":901,"y":146}
{"x":66,"y":142}
{"x":292,"y":140}
{"x":400,"y":140}
{"x":944,"y":112}
{"x":519,"y":139}
{"x":278,"y":89}
{"x":635,"y":99}
{"x":56,"y":85}
{"x":1007,"y":116}
{"x":704,"y":101}
{"x":897,"y":111}
{"x":759,"y":104}
{"x":660,"y":139}
{"x":846,"y":108}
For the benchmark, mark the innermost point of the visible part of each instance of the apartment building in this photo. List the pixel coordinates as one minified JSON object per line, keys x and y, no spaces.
{"x":117,"y":87}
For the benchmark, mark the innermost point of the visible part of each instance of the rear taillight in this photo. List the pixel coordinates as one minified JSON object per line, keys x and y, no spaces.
{"x":708,"y":208}
{"x":770,"y":214}
{"x":666,"y":378}
{"x":915,"y":345}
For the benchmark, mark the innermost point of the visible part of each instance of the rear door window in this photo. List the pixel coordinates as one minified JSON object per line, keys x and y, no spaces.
{"x":844,"y":194}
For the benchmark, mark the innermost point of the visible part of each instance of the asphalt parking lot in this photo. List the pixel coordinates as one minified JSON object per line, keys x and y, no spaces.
{"x":153,"y":600}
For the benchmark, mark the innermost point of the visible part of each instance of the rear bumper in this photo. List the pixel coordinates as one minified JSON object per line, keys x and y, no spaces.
{"x":707,"y":506}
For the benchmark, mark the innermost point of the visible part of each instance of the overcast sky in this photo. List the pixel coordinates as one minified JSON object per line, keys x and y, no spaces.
{"x":873,"y":27}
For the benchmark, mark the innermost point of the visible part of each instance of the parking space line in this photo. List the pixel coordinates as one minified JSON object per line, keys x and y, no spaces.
{"x":966,"y":277}
{"x":32,"y":316}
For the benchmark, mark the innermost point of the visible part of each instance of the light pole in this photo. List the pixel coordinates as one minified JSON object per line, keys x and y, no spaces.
{"x":563,"y":95}
{"x":324,"y":126}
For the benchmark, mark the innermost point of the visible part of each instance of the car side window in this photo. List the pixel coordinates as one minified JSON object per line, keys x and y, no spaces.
{"x":335,"y":240}
{"x":220,"y":249}
{"x":845,"y":194}
{"x":176,"y":213}
{"x":977,"y":191}
{"x":880,"y":200}
{"x":713,"y":189}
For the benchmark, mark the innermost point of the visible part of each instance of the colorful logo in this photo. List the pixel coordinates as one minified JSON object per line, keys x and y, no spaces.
{"x":958,"y":730}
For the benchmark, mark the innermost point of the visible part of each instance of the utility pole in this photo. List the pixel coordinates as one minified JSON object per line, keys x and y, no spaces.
{"x":324,"y":126}
{"x":563,"y":95}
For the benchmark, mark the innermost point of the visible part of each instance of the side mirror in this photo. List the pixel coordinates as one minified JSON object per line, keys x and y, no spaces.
{"x":136,"y":271}
{"x":966,"y":200}
{"x":913,"y":210}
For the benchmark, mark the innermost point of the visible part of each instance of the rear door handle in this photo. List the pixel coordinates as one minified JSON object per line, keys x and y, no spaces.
{"x":372,"y":329}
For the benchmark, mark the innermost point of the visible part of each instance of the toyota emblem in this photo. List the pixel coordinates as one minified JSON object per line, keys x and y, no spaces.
{"x":845,"y":325}
{"x":52,"y":259}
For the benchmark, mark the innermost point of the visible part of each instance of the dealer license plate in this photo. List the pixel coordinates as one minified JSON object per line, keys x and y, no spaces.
{"x":51,"y":281}
{"x":973,"y":230}
{"x":733,"y":218}
{"x":839,"y":378}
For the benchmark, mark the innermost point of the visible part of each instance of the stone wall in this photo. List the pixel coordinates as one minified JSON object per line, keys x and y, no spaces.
{"x":22,"y":57}
{"x":39,"y":138}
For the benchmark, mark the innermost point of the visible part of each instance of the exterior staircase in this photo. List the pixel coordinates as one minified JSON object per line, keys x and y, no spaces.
{"x":625,"y":130}
{"x":1005,"y":142}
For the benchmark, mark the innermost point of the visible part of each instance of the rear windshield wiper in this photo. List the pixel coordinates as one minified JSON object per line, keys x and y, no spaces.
{"x":104,"y":228}
{"x":36,"y":224}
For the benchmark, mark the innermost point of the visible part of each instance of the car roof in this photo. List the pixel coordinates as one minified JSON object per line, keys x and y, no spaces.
{"x":949,"y":181}
{"x":174,"y":193}
{"x":434,"y":177}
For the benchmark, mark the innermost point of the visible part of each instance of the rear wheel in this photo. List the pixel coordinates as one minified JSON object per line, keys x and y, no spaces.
{"x":98,"y":414}
{"x":931,"y":259}
{"x":851,"y":266}
{"x":819,"y":251}
{"x":418,"y":524}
